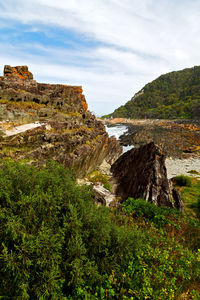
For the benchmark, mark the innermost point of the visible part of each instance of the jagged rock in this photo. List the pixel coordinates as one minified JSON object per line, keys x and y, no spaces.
{"x":20,"y":72}
{"x":103,"y":196}
{"x":178,"y":203}
{"x":105,"y":168}
{"x":69,"y":133}
{"x":141,"y":173}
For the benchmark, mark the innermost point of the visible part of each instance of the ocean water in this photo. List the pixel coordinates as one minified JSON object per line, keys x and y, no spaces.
{"x":117,"y":130}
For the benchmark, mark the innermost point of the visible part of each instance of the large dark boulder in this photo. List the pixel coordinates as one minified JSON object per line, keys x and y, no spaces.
{"x":141,"y":173}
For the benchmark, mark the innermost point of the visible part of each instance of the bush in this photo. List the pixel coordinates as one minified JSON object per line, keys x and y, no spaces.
{"x":159,"y":216}
{"x":56,"y":244}
{"x":54,"y":241}
{"x":183,"y":180}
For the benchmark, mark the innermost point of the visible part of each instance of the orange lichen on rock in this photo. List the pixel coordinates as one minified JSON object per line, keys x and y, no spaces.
{"x":20,"y":72}
{"x":65,"y":98}
{"x":84,"y":104}
{"x":77,"y":89}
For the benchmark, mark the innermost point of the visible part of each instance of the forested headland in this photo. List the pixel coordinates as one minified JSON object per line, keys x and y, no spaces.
{"x":175,"y":95}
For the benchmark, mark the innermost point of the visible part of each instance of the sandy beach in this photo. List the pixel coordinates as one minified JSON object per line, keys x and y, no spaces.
{"x":182,"y":166}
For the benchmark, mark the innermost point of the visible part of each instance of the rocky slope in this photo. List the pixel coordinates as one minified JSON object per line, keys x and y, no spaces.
{"x":171,"y":96}
{"x":39,"y":122}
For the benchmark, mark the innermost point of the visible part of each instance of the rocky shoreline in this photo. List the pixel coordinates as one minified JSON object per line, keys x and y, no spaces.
{"x":177,"y":138}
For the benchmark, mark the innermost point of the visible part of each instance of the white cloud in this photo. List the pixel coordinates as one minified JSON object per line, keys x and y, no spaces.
{"x":140,"y":40}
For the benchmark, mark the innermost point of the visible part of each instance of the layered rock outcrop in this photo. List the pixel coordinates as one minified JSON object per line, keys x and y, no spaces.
{"x":60,"y":125}
{"x":20,"y":72}
{"x":141,"y":173}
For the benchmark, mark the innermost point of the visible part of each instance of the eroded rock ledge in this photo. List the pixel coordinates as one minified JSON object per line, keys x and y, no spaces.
{"x":67,"y":131}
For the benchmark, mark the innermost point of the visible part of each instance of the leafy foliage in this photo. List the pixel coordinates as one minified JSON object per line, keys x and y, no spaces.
{"x":56,"y":244}
{"x":159,"y":216}
{"x":54,"y":240}
{"x":170,"y":96}
{"x":183,"y":180}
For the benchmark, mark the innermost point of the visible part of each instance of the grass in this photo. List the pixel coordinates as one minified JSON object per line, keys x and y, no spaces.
{"x":190,"y":196}
{"x":98,"y":177}
{"x":10,"y":150}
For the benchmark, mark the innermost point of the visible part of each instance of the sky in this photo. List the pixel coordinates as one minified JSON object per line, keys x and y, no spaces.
{"x":112,"y":48}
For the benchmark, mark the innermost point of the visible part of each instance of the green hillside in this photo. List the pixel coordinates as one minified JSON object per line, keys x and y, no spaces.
{"x":170,"y":96}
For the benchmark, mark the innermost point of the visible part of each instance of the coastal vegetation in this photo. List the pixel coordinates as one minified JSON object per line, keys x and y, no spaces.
{"x":57,"y":244}
{"x":175,"y":95}
{"x":183,"y":180}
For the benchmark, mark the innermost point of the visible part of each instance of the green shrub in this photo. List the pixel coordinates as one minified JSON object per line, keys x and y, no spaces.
{"x":159,"y":216}
{"x":56,"y":244}
{"x":107,"y":186}
{"x":183,"y":180}
{"x":54,"y":241}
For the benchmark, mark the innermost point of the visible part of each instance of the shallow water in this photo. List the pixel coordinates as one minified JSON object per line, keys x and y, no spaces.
{"x":117,"y":131}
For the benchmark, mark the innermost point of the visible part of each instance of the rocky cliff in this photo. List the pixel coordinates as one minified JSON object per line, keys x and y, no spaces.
{"x":39,"y":122}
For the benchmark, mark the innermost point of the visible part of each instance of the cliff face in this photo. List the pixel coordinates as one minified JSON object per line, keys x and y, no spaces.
{"x":40,"y":121}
